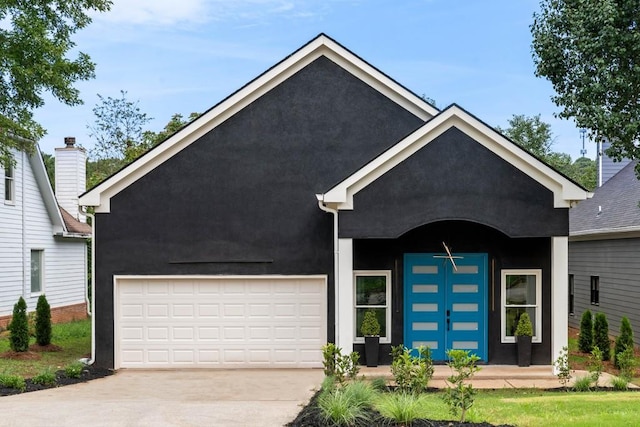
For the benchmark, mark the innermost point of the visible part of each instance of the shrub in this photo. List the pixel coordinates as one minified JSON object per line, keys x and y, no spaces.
{"x":370,"y":325}
{"x":338,"y":365}
{"x":74,"y":370}
{"x":626,"y":362}
{"x":19,"y":326}
{"x":585,"y":340}
{"x":411,"y":373}
{"x":462,"y":396}
{"x":43,"y":321}
{"x":402,"y":408}
{"x":46,"y":377}
{"x":524,"y":328}
{"x":13,"y":381}
{"x":562,"y":364}
{"x":582,"y":384}
{"x":624,"y":340}
{"x":344,"y":406}
{"x":601,"y":335}
{"x":595,"y":365}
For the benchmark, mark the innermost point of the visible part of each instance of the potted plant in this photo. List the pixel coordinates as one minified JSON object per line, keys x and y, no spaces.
{"x":370,"y":328}
{"x":524,"y":333}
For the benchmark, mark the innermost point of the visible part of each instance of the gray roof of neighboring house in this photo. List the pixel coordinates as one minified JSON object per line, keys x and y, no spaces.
{"x":613,"y":207}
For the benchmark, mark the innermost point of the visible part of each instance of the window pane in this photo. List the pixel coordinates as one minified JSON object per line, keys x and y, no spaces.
{"x":513,"y":315}
{"x":371,"y":290}
{"x":521,"y":289}
{"x":36,"y":271}
{"x":381,"y":315}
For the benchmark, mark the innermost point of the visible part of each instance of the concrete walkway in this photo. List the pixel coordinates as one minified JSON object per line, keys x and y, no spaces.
{"x":497,"y":376}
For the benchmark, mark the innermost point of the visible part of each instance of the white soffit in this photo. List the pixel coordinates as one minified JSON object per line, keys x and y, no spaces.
{"x":565,"y":191}
{"x":322,"y":45}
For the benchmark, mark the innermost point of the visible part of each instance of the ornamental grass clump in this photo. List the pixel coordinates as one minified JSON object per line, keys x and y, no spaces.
{"x":347,"y":406}
{"x":47,"y":377}
{"x":19,"y":327}
{"x":585,"y":340}
{"x":402,"y":408}
{"x":601,"y":335}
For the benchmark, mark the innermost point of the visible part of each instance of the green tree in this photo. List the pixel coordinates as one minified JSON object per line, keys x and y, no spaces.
{"x":118,"y":129}
{"x":19,"y":327}
{"x":50,"y":166}
{"x":624,"y":340}
{"x":585,"y":340}
{"x":590,"y":52}
{"x":35,"y":39}
{"x":585,"y":171}
{"x":43,"y":321}
{"x":601,"y":335}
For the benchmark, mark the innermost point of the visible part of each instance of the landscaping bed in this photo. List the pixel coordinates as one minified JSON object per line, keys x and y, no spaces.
{"x":88,"y":373}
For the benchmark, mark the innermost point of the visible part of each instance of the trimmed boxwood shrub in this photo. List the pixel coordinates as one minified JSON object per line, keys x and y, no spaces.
{"x":601,"y":335}
{"x":585,"y":341}
{"x":624,"y":340}
{"x":43,"y":321}
{"x":19,"y":326}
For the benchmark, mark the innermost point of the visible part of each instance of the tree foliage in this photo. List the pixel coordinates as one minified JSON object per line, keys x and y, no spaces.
{"x":585,"y":340}
{"x":120,"y":135}
{"x":35,"y":38}
{"x":534,"y":135}
{"x":19,"y":327}
{"x":590,"y":52}
{"x":624,"y":340}
{"x":601,"y":335}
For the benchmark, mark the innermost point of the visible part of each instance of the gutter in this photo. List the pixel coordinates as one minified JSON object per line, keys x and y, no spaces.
{"x":336,"y":257}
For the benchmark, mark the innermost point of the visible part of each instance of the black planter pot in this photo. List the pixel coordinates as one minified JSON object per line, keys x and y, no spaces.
{"x":371,"y":350}
{"x":524,"y":350}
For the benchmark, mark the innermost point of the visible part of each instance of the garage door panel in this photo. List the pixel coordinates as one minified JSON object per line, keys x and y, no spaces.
{"x":221,"y":322}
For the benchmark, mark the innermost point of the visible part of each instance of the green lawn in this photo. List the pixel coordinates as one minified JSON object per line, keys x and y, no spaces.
{"x":74,"y":338}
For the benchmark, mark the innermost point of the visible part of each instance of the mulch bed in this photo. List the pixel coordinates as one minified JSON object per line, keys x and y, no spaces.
{"x":88,"y":373}
{"x":310,"y":417}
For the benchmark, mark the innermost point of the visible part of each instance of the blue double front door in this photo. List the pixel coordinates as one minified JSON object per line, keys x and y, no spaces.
{"x":445,"y":307}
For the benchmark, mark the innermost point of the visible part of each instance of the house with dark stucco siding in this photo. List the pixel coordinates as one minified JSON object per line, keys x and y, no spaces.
{"x":322,"y":189}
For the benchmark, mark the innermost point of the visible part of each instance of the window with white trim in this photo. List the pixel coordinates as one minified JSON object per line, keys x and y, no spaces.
{"x":9,"y":182}
{"x":372,"y":291}
{"x":37,"y":264}
{"x":521,"y":292}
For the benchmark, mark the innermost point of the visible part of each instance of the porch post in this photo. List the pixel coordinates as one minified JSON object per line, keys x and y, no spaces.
{"x":559,"y":296}
{"x":344,"y":297}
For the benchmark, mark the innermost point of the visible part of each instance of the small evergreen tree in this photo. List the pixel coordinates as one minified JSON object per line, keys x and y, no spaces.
{"x":19,"y":326}
{"x":624,"y":340}
{"x":585,"y":341}
{"x":601,"y":335}
{"x":43,"y":321}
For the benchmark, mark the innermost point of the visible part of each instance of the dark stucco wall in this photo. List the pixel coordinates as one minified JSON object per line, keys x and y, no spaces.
{"x":454,"y":177}
{"x":241,"y":200}
{"x":463,"y":237}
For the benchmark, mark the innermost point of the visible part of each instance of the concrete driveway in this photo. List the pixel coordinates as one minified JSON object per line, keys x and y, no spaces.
{"x":249,"y":397}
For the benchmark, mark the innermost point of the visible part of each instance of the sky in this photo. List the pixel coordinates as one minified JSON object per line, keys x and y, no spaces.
{"x":185,"y":56}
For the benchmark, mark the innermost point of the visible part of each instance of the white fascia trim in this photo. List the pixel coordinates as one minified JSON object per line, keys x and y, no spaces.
{"x":46,"y":191}
{"x":566,"y":193}
{"x":100,"y":196}
{"x":628,"y":232}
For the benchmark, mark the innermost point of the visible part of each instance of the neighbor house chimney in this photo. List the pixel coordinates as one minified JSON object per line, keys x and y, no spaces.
{"x":71,"y":178}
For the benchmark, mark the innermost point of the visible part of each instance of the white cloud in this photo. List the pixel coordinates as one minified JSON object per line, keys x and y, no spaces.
{"x":155,"y":12}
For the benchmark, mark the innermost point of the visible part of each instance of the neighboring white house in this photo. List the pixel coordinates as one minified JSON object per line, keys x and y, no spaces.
{"x":43,"y":239}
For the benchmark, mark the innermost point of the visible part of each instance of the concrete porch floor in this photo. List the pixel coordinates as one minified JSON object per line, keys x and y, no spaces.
{"x":497,"y":376}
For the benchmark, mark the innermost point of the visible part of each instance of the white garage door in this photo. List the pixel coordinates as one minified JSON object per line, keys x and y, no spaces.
{"x":221,"y":322}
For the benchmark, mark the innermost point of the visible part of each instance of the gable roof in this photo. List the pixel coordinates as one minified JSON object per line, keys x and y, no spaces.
{"x":63,"y":225}
{"x":612,"y":212}
{"x":565,"y":191}
{"x":322,"y":45}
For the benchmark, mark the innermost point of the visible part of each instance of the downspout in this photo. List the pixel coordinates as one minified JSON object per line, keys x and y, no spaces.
{"x":24,"y":228}
{"x":336,"y":257}
{"x":91,"y":304}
